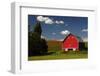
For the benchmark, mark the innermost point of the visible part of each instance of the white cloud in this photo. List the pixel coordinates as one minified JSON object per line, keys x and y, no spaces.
{"x":53,"y":33}
{"x":40,"y":18}
{"x":60,"y":39}
{"x":65,"y":32}
{"x":48,"y":20}
{"x":62,"y":22}
{"x":59,"y":22}
{"x":43,"y":37}
{"x":85,"y":39}
{"x":84,"y":30}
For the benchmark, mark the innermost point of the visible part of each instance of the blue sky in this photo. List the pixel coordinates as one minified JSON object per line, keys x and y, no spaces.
{"x":58,"y":27}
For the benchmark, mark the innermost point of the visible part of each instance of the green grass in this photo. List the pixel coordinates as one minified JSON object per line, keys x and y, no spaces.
{"x":55,"y":47}
{"x":61,"y":55}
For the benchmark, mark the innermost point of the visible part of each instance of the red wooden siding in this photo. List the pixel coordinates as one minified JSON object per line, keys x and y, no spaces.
{"x":70,"y":42}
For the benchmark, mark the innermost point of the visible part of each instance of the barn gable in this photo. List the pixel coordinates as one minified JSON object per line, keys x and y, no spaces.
{"x":70,"y":42}
{"x":67,"y":37}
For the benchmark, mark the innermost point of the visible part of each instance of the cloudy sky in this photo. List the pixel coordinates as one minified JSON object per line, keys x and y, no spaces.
{"x":58,"y":27}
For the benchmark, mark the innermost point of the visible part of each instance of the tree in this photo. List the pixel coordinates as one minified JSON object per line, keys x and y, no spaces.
{"x":34,"y":47}
{"x":44,"y":46}
{"x":37,"y":46}
{"x":38,"y":29}
{"x":79,"y":39}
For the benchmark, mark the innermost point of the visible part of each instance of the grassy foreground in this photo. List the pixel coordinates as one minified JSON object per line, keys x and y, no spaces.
{"x":61,"y":55}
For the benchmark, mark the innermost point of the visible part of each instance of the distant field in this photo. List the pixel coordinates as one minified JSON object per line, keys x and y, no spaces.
{"x":61,"y":55}
{"x":54,"y":45}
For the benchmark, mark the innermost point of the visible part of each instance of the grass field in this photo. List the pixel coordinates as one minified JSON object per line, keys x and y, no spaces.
{"x":55,"y":52}
{"x":61,"y":55}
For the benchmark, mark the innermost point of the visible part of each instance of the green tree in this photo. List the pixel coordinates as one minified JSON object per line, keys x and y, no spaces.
{"x":44,"y":46}
{"x":38,"y":29}
{"x":36,"y":45}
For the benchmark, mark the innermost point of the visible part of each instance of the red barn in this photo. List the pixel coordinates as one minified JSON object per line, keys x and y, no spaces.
{"x":70,"y":42}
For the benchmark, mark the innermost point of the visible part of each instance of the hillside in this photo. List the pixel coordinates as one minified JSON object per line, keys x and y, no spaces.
{"x":54,"y":45}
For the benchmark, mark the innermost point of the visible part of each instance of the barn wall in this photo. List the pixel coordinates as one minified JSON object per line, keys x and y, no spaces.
{"x":71,"y":42}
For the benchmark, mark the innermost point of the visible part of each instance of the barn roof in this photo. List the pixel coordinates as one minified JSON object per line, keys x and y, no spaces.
{"x":79,"y":38}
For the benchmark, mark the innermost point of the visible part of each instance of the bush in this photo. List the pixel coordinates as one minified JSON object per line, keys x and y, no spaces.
{"x":37,"y":46}
{"x":83,"y":46}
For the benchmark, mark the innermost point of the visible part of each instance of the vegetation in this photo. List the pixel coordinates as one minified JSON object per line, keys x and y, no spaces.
{"x":36,"y":45}
{"x":55,"y":52}
{"x":83,"y":46}
{"x":61,"y":55}
{"x":38,"y":29}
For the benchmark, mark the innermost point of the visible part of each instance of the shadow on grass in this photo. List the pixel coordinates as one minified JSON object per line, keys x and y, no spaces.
{"x":48,"y":53}
{"x":60,"y":53}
